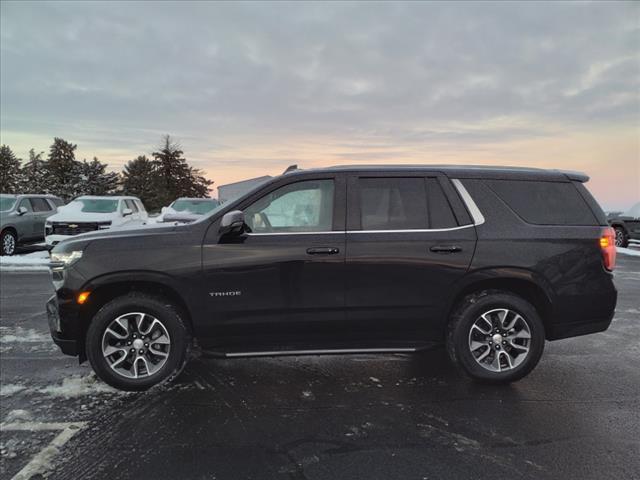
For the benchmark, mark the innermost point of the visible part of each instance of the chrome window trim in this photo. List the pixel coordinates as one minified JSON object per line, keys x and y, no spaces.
{"x":476,"y":214}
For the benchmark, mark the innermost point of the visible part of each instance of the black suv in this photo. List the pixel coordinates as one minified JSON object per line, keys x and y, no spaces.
{"x":626,"y":226}
{"x":489,"y":261}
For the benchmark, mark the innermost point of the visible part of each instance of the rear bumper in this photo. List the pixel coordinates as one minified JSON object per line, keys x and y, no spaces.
{"x":583,"y":314}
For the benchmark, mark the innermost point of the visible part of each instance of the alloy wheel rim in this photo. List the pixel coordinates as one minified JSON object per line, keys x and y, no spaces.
{"x":500,"y":340}
{"x":8,"y":244}
{"x":619,"y":237}
{"x":136,"y":345}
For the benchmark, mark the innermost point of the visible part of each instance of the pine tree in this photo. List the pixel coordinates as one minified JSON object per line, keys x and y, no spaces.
{"x":175,"y":178}
{"x":63,"y":171}
{"x":96,"y":180}
{"x":10,"y":174}
{"x":34,"y":174}
{"x":139,"y":178}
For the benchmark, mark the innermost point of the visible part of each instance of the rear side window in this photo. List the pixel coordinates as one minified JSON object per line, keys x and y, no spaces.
{"x":57,"y":202}
{"x":393,"y":203}
{"x":440,"y":213}
{"x":40,"y":205}
{"x":544,"y":203}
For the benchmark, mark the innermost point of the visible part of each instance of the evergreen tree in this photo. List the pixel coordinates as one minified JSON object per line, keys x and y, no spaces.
{"x":175,"y":178}
{"x":10,"y":174}
{"x":63,"y":170}
{"x":139,"y":178}
{"x":34,"y":174}
{"x":96,"y":180}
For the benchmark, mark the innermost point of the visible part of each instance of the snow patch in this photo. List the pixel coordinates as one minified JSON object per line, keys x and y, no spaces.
{"x":24,"y":335}
{"x":28,"y":261}
{"x":20,"y":415}
{"x":10,"y":388}
{"x":628,"y":251}
{"x":77,"y":386}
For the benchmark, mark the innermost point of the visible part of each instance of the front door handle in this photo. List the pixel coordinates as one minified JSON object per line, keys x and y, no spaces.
{"x":323,"y":250}
{"x":445,"y":248}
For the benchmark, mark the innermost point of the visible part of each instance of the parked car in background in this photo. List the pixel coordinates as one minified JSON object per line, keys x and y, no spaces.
{"x":89,"y":213}
{"x":185,"y":210}
{"x":627,"y":226}
{"x":22,"y":219}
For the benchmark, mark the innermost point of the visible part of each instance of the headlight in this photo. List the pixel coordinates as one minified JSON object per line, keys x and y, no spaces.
{"x":104,"y":225}
{"x":65,"y":259}
{"x":48,"y":228}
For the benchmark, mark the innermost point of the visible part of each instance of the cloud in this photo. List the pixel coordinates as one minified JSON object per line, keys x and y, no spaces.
{"x":408,"y":76}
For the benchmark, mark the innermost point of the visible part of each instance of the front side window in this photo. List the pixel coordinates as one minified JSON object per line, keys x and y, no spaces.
{"x":131,"y":205}
{"x":298,"y":207}
{"x":26,"y":204}
{"x":393,"y":203}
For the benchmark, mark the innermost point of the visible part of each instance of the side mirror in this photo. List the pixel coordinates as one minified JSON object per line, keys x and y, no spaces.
{"x":126,"y":211}
{"x":232,"y":222}
{"x":22,"y":210}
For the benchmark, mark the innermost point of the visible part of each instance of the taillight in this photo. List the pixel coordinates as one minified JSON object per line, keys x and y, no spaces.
{"x":608,"y":248}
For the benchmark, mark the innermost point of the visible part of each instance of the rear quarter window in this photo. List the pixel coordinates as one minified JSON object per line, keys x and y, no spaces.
{"x":544,"y":203}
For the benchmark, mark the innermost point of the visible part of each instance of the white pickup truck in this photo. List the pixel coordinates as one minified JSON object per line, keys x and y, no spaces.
{"x":89,"y":213}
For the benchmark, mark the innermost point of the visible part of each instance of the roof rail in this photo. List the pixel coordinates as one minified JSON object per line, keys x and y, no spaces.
{"x":291,"y":168}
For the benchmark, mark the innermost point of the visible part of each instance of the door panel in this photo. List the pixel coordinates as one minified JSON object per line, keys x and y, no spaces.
{"x":286,"y":275}
{"x":400,"y":268}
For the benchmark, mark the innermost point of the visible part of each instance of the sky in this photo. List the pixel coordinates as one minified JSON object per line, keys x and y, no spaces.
{"x":250,"y":88}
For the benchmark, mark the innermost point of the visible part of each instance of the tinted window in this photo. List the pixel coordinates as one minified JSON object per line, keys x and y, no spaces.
{"x":40,"y":205}
{"x":140,"y":205}
{"x":440,"y":213}
{"x":298,"y":207}
{"x":544,"y":203}
{"x":393,"y":203}
{"x":56,"y":201}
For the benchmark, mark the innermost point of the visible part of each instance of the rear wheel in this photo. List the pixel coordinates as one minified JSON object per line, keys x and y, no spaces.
{"x":8,"y":242}
{"x":495,"y":337}
{"x":622,"y":239}
{"x":137,"y":341}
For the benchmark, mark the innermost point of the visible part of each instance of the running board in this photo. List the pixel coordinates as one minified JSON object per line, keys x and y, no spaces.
{"x":313,"y":351}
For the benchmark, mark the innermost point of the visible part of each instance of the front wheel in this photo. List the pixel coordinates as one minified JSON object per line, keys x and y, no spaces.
{"x":495,"y":337}
{"x":137,"y":341}
{"x":8,"y":242}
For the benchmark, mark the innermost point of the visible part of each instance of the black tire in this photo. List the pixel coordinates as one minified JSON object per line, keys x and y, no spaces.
{"x":462,"y":320}
{"x":622,"y":238}
{"x":8,"y":242}
{"x":166,"y":313}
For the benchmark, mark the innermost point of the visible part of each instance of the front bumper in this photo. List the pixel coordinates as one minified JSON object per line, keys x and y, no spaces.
{"x":53,"y":240}
{"x":62,"y":316}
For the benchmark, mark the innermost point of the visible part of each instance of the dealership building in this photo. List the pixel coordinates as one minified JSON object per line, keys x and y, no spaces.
{"x":233,"y":190}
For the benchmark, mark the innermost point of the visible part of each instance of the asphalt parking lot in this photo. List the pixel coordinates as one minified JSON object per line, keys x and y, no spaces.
{"x":323,"y":417}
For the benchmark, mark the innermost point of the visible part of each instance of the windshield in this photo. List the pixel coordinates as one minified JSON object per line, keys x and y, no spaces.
{"x":6,"y":203}
{"x":199,"y":207}
{"x":97,"y":205}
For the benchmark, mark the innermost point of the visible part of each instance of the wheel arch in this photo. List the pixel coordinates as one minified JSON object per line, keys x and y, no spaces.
{"x":517,"y":281}
{"x":105,"y":289}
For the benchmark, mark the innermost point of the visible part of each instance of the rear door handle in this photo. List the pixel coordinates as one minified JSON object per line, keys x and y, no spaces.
{"x":445,"y":248}
{"x":323,"y":250}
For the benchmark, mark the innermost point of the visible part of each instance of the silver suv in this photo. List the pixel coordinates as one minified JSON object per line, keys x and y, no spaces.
{"x":22,"y":219}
